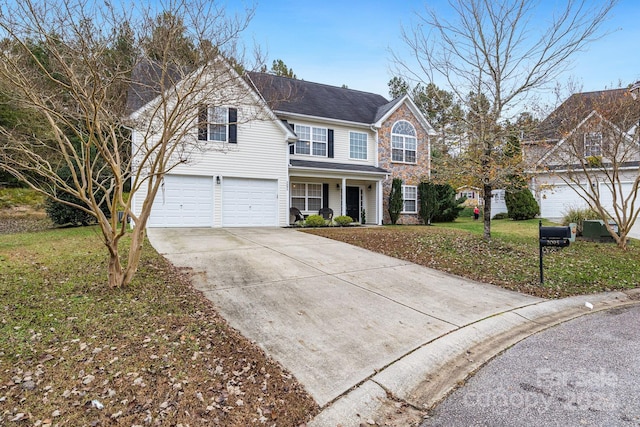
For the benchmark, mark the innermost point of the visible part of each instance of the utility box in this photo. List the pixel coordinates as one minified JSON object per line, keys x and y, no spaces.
{"x":594,"y":229}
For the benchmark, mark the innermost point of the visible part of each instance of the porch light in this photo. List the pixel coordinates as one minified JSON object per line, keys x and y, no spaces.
{"x":369,"y":187}
{"x":218,"y":179}
{"x":337,"y":186}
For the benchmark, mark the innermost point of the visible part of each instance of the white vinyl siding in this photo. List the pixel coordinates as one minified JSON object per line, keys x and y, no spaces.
{"x":262,"y":154}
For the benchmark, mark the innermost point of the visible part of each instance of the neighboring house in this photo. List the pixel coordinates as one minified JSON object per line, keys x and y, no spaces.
{"x":498,"y":202}
{"x":475,"y":198}
{"x":592,"y":130}
{"x":473,"y":195}
{"x":311,"y":146}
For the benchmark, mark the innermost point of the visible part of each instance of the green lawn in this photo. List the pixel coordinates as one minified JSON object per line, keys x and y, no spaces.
{"x":510,"y":259}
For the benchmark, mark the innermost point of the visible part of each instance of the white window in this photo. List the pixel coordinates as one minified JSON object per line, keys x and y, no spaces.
{"x":217,"y":124}
{"x":410,"y":199}
{"x":592,"y":144}
{"x":312,"y":141}
{"x":403,"y":142}
{"x":358,"y":145}
{"x":306,"y":197}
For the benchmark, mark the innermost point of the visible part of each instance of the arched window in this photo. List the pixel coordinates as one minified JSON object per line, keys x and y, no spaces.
{"x":403,"y":142}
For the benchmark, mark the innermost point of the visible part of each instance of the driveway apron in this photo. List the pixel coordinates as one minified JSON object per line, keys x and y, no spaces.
{"x":333,"y":314}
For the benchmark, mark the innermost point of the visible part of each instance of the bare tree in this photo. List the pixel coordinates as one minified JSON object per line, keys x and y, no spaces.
{"x":71,"y":62}
{"x":496,"y":51}
{"x":592,"y":141}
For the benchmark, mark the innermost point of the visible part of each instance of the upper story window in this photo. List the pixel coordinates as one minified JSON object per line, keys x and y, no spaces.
{"x":403,"y":142}
{"x":410,"y":199}
{"x":358,"y":145}
{"x":592,"y":144}
{"x":311,"y":141}
{"x":218,"y":124}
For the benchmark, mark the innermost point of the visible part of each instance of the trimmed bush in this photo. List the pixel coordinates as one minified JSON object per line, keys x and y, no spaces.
{"x":315,"y":221}
{"x":521,"y":204}
{"x":466,"y":213}
{"x":501,"y":215}
{"x":577,"y":215}
{"x":395,"y":200}
{"x":428,"y":197}
{"x":448,"y":207}
{"x":343,"y":220}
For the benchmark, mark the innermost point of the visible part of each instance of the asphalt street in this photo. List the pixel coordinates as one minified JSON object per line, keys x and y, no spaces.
{"x":585,"y":372}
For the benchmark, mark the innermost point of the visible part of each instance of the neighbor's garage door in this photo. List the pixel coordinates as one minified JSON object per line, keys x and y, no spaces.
{"x":556,"y":201}
{"x":606,"y":195}
{"x":183,"y":201}
{"x":249,"y":202}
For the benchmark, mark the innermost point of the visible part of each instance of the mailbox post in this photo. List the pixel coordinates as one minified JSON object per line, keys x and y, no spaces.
{"x":556,"y":237}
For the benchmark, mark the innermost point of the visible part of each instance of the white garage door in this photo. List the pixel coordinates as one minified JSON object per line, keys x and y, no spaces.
{"x":556,"y":201}
{"x":183,"y":201}
{"x":606,"y":196}
{"x":249,"y":202}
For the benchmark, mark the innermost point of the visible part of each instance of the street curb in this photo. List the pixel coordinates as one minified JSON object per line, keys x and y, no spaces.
{"x":424,"y":377}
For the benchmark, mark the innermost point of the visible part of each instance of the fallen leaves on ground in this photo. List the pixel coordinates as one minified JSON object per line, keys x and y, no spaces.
{"x":75,"y":353}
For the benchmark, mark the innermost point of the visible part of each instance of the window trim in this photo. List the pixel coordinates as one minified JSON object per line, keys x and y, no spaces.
{"x":366,"y":145}
{"x":206,"y":124}
{"x":591,"y":144}
{"x":312,"y":142}
{"x":306,"y":195}
{"x":403,"y":140}
{"x":404,"y":199}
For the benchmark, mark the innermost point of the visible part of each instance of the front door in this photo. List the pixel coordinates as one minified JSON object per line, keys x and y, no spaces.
{"x":353,"y":203}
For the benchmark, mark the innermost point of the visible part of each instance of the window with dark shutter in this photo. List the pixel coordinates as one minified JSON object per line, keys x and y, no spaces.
{"x":233,"y":125}
{"x":203,"y":119}
{"x":330,"y":143}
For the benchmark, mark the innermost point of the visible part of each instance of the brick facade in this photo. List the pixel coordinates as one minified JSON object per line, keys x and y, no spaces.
{"x":411,"y":174}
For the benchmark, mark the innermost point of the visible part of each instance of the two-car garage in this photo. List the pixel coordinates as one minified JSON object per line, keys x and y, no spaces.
{"x":208,"y":201}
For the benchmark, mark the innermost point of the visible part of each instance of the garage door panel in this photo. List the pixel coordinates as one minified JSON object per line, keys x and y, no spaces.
{"x":606,"y":196}
{"x":556,"y":201}
{"x":249,"y":202}
{"x":183,"y":201}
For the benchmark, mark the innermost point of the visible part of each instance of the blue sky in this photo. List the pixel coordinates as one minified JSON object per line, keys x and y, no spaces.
{"x":348,"y":41}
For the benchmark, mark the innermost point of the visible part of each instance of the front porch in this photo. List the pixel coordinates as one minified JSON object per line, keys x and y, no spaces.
{"x":355,"y":193}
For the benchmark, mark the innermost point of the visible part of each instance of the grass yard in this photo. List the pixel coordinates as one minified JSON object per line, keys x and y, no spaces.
{"x":75,"y":353}
{"x":510,"y":259}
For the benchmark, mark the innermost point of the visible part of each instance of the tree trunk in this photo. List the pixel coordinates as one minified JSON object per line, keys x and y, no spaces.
{"x":486,"y":212}
{"x":135,"y":252}
{"x":115,"y":267}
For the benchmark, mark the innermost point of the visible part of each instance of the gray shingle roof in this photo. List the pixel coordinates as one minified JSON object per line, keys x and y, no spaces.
{"x":336,"y":166}
{"x":146,"y":83}
{"x":615,"y":105}
{"x":318,"y":100}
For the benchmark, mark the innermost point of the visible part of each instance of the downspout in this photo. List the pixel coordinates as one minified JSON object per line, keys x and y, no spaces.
{"x":379,"y":193}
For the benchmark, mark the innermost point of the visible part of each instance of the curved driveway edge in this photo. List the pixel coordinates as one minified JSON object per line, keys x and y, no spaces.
{"x":366,"y":334}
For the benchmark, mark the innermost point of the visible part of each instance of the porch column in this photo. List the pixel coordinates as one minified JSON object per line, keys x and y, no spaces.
{"x":343,"y":196}
{"x":380,"y":202}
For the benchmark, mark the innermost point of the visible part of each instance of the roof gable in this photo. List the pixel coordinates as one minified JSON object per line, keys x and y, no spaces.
{"x":615,"y":106}
{"x":317,"y":100}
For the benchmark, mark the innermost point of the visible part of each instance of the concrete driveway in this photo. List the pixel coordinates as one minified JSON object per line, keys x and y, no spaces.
{"x":355,"y":326}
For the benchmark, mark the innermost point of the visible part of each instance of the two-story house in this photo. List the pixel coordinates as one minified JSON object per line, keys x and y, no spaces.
{"x":586,"y":146}
{"x":313,"y":146}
